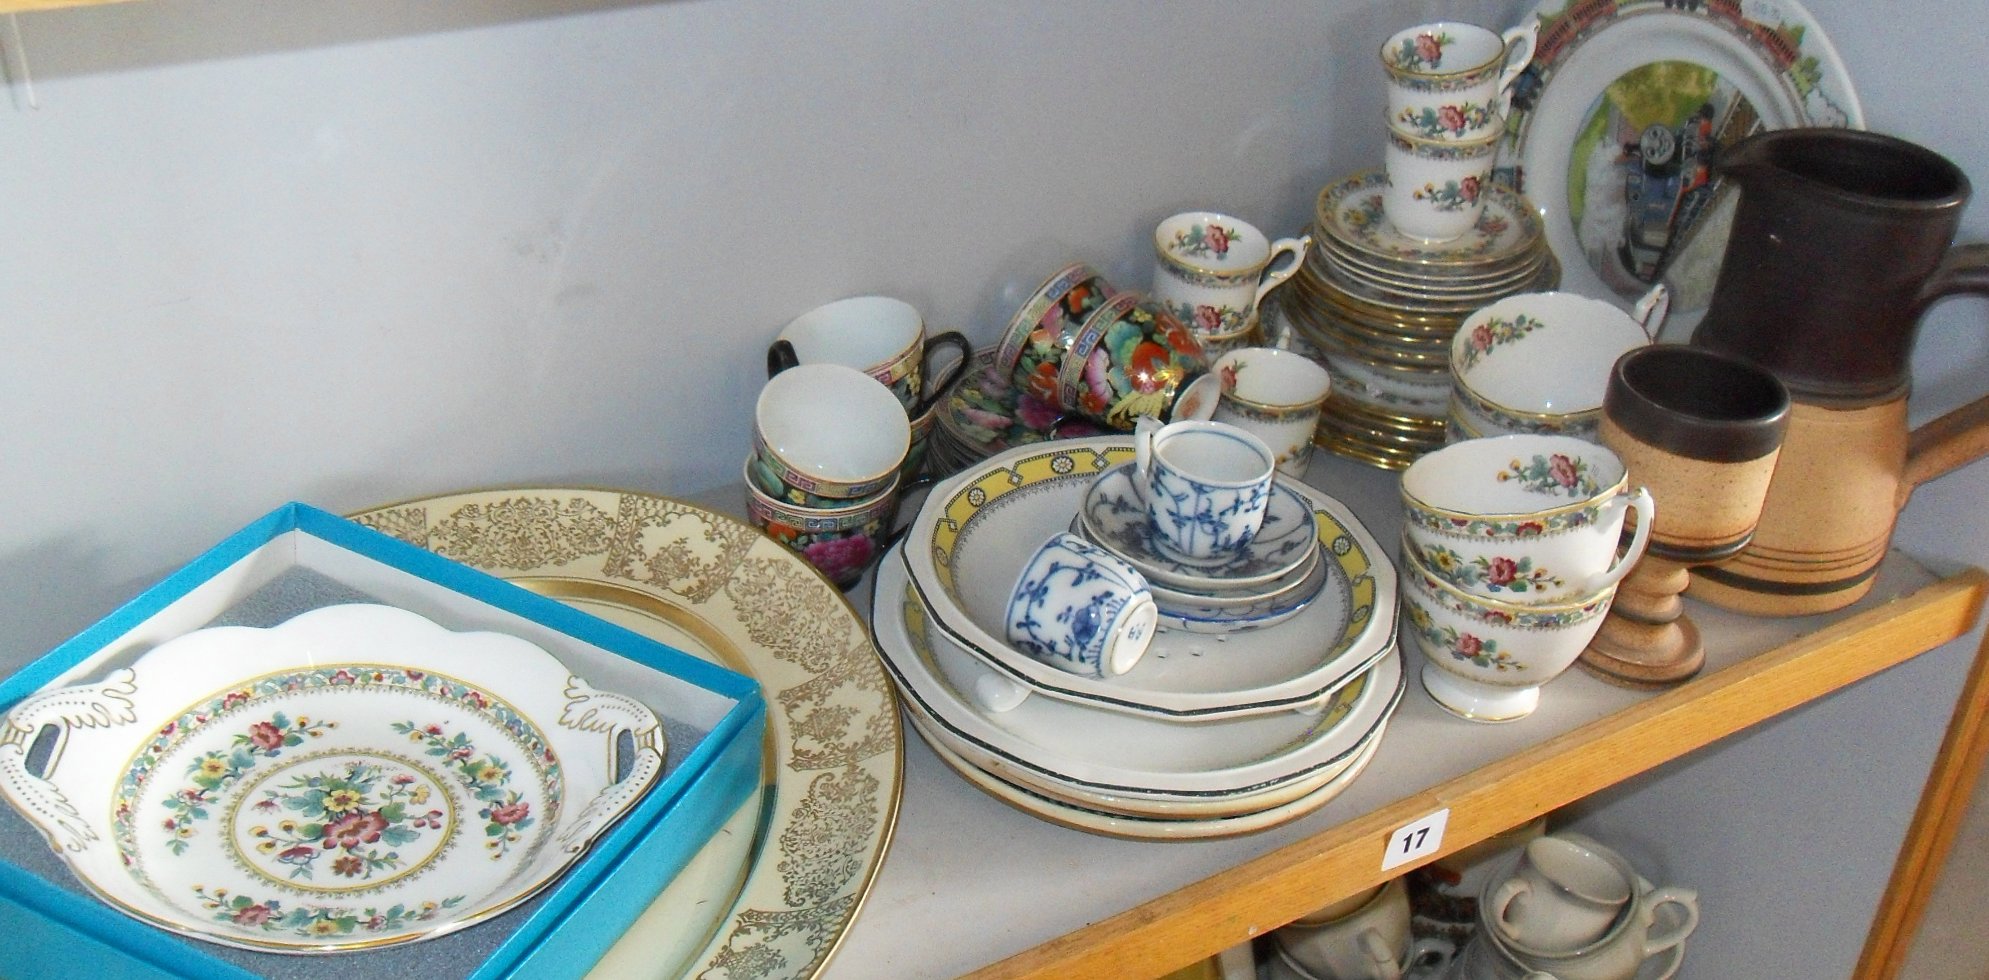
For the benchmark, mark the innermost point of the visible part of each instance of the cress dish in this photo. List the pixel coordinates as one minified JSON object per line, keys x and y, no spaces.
{"x":973,"y":532}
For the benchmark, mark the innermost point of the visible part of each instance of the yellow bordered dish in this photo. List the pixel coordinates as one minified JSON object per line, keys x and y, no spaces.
{"x":967,"y":543}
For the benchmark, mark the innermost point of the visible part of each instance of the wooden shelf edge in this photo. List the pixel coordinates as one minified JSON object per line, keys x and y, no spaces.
{"x":1231,"y":907}
{"x":1944,"y":802}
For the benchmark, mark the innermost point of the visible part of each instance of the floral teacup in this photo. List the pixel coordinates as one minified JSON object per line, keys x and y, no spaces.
{"x":1451,"y":81}
{"x":1131,"y":358}
{"x":1540,"y":362}
{"x":1277,"y":395}
{"x":1032,"y":350}
{"x":842,"y":542}
{"x":830,"y":431}
{"x":878,"y":335}
{"x":1436,"y":188}
{"x":1523,"y":518}
{"x":1211,"y":270}
{"x":1484,"y":659}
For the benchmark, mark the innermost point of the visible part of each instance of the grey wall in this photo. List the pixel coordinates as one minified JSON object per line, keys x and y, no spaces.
{"x":356,"y":251}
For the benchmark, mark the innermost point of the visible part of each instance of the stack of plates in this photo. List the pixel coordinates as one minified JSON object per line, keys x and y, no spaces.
{"x":1378,"y":308}
{"x":1270,"y":581}
{"x":1208,"y":735}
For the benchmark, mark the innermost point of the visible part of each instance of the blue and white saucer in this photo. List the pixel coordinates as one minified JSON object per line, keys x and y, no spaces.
{"x":1116,"y":520}
{"x":1197,"y":613}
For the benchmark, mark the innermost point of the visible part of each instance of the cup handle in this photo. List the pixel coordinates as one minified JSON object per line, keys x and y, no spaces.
{"x":1275,"y":274}
{"x":1521,"y":42}
{"x":1143,"y":429}
{"x":1502,"y":899}
{"x":1430,"y":952}
{"x":780,"y":357}
{"x":1961,"y":436}
{"x":1646,"y":508}
{"x":898,"y":533}
{"x":1684,"y":898}
{"x":935,"y":383}
{"x":1652,"y":309}
{"x":1376,"y":950}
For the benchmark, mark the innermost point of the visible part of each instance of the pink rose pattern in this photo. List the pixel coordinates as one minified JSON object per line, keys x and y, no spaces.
{"x":1496,"y":575}
{"x":1454,"y":195}
{"x":359,"y":814}
{"x":1445,"y":122}
{"x":1204,"y":239}
{"x":1495,"y":332}
{"x":1555,"y":474}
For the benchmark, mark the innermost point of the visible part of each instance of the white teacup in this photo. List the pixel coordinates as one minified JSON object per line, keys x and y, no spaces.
{"x":1211,"y":269}
{"x":1561,"y":896}
{"x":1206,"y":486}
{"x":1540,"y":362}
{"x":1436,"y":188}
{"x":878,"y":335}
{"x":1524,"y":518}
{"x":1078,"y":607}
{"x":1277,"y":395}
{"x":1451,"y":81}
{"x":830,"y":431}
{"x":1634,"y":937}
{"x":1364,"y":938}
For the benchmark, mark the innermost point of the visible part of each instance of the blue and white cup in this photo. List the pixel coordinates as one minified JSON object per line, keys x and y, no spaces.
{"x":1078,"y":607}
{"x":1206,"y":486}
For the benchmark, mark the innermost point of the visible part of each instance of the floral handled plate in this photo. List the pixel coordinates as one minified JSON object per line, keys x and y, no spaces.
{"x":354,"y":778}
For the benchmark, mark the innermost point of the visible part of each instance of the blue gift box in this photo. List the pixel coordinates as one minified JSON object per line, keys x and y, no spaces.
{"x":297,"y":557}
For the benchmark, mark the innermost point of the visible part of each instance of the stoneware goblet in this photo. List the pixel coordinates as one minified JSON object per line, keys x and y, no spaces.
{"x":1702,"y":430}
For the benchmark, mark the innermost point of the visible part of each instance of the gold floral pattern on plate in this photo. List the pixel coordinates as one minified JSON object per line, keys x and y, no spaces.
{"x":834,"y":745}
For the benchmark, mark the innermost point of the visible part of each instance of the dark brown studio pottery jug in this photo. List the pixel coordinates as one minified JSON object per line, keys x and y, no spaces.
{"x":1842,"y":240}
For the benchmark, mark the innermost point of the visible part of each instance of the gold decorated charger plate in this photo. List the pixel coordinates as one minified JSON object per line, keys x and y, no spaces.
{"x":355,"y":777}
{"x":773,"y":893}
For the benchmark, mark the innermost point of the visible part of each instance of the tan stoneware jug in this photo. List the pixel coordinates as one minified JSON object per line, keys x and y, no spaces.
{"x":1842,"y":240}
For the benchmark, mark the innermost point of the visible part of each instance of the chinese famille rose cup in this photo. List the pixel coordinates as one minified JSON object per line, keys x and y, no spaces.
{"x":831,"y":431}
{"x":1435,"y":189}
{"x":880,"y":336}
{"x":1080,"y":608}
{"x":1211,"y":270}
{"x":1206,"y":486}
{"x":1276,"y":395}
{"x":1032,"y":349}
{"x":1540,"y":362}
{"x":840,"y":538}
{"x":1486,"y":659}
{"x":1451,"y":81}
{"x":1523,"y":518}
{"x":1131,"y":358}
